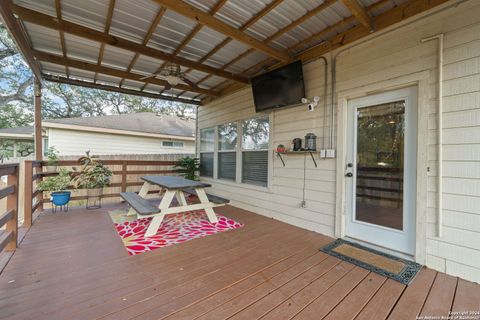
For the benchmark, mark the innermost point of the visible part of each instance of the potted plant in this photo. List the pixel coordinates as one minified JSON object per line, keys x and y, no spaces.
{"x":52,"y":159}
{"x":93,"y":176}
{"x":188,"y":166}
{"x":280,"y":148}
{"x":57,"y":186}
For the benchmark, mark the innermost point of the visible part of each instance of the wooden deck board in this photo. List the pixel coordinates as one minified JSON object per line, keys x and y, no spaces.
{"x":74,"y":266}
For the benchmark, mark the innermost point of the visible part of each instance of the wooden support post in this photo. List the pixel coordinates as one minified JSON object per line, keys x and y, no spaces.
{"x":38,"y":120}
{"x":12,"y":205}
{"x":27,"y":196}
{"x":124,"y":176}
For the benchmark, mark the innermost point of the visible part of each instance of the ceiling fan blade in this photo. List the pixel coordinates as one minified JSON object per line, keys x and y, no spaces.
{"x":188,"y":81}
{"x":148,"y":77}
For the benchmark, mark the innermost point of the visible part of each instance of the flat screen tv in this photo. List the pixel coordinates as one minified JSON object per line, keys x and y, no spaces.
{"x":279,"y":88}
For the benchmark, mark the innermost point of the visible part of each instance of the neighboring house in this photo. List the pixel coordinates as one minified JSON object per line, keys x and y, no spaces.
{"x":140,"y":133}
{"x":17,"y":136}
{"x":396,"y":67}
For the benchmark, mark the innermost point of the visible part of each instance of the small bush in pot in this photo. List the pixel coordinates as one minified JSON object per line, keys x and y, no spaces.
{"x":52,"y":159}
{"x":93,"y":176}
{"x":58,"y":187}
{"x":188,"y":167}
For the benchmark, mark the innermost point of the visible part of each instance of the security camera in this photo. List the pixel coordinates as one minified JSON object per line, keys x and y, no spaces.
{"x":311,"y":106}
{"x":304,"y":100}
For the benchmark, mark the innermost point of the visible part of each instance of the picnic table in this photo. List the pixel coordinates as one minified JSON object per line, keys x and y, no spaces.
{"x":174,"y":187}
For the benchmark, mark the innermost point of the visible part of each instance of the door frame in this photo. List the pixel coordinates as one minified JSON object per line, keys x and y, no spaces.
{"x":419,"y":79}
{"x":402,"y":240}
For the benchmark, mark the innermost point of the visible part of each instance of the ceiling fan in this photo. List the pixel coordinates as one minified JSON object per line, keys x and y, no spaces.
{"x":171,"y":73}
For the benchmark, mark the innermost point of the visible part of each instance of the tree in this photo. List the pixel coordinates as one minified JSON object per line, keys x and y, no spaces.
{"x":61,"y":100}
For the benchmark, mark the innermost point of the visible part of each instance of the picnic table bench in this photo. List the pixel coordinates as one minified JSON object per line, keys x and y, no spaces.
{"x":175,"y":187}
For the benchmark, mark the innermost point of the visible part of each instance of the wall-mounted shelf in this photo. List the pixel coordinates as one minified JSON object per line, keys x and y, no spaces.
{"x":312,"y":153}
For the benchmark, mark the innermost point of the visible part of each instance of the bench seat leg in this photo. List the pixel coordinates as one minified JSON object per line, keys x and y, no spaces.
{"x":202,"y":196}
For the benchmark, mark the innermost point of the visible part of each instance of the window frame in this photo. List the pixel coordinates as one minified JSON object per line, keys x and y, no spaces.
{"x":182,"y":144}
{"x":213,"y":152}
{"x":239,"y":153}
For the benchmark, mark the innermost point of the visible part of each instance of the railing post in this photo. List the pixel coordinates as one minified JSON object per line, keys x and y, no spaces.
{"x":12,"y":204}
{"x":40,"y":194}
{"x":27,"y":203}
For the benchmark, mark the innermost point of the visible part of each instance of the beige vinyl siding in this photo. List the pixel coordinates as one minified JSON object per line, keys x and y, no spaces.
{"x":395,"y":55}
{"x":72,"y":142}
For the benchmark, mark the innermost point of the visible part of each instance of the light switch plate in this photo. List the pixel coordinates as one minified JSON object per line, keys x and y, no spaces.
{"x":330,"y":153}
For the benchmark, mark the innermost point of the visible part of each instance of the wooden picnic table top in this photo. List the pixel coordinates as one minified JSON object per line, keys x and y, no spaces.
{"x":174,"y":182}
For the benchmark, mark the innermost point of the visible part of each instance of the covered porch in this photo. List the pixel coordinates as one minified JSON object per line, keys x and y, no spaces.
{"x":74,"y":266}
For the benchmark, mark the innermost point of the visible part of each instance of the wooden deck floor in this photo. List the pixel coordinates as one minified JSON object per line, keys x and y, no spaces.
{"x":74,"y":266}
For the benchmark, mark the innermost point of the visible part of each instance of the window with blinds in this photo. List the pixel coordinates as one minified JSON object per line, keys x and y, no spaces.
{"x":255,"y":167}
{"x":255,"y":137}
{"x":227,"y":165}
{"x":206,"y":164}
{"x":207,"y":143}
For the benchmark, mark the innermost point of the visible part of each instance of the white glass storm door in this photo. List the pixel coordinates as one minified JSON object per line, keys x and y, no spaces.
{"x":381,"y":169}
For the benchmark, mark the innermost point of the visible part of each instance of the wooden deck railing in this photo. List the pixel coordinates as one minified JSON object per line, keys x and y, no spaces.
{"x":380,"y":184}
{"x":8,"y":237}
{"x":126,"y":174}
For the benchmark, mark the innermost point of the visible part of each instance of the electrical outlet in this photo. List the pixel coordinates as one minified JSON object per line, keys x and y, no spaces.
{"x":323,"y":153}
{"x":330,"y":153}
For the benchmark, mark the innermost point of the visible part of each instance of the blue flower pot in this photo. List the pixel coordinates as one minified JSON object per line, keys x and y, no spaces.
{"x":61,"y":198}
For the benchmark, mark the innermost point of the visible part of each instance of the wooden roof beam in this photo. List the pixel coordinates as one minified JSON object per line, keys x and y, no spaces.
{"x":272,"y":5}
{"x":58,"y":9}
{"x":94,"y":35}
{"x":106,"y":30}
{"x":277,"y":34}
{"x":19,"y":36}
{"x":92,"y":85}
{"x":146,"y":39}
{"x":55,"y":59}
{"x":208,"y":20}
{"x":360,"y":13}
{"x":192,"y":34}
{"x":382,"y":21}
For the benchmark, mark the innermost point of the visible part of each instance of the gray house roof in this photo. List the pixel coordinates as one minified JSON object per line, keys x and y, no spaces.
{"x":18,"y":130}
{"x":146,"y":122}
{"x":19,"y":133}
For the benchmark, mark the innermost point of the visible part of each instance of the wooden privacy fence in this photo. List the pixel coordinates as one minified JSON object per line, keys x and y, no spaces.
{"x":126,"y":175}
{"x":9,"y":218}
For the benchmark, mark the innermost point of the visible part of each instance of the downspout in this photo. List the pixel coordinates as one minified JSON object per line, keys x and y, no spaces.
{"x":439,"y":37}
{"x":196,"y":132}
{"x":325,"y":104}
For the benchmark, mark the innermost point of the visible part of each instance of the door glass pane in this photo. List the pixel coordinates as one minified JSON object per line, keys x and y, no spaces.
{"x":380,"y":164}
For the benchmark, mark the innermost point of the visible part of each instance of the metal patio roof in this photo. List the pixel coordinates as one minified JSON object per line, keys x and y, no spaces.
{"x":112,"y":44}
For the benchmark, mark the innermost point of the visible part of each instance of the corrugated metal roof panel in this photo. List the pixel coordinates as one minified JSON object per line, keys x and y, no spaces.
{"x":173,"y":28}
{"x":146,"y":65}
{"x":91,"y":13}
{"x":108,"y":79}
{"x":53,"y":68}
{"x":131,"y":83}
{"x":43,"y":6}
{"x":153,"y":88}
{"x":228,"y":53}
{"x":116,"y":58}
{"x":44,"y":39}
{"x":132,"y":19}
{"x":81,"y":48}
{"x":80,"y":74}
{"x":204,"y":41}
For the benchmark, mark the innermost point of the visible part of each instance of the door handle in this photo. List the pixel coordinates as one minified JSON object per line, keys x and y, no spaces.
{"x":348,"y":174}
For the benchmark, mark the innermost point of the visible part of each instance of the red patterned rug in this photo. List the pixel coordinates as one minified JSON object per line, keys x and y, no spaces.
{"x":175,"y":228}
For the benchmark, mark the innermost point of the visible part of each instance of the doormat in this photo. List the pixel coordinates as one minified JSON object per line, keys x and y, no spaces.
{"x":175,"y":228}
{"x":395,"y":268}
